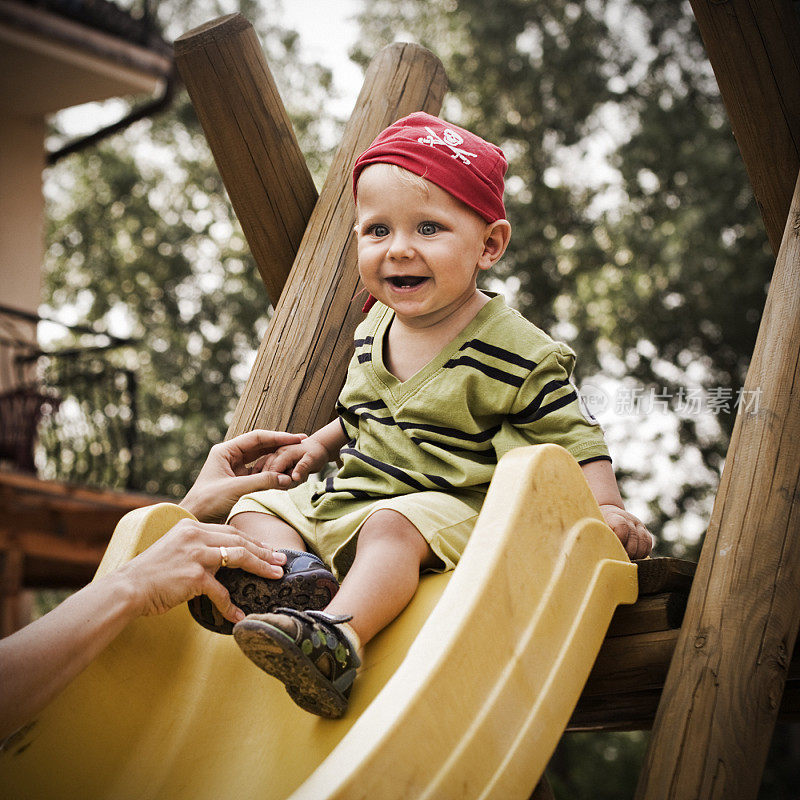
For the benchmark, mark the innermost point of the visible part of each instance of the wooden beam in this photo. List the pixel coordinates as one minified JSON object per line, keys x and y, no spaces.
{"x":73,"y":494}
{"x":252,"y":140}
{"x":723,"y":690}
{"x":631,"y":663}
{"x":754,"y":49}
{"x":658,"y":575}
{"x":660,"y":612}
{"x":11,"y":569}
{"x":303,"y":358}
{"x":30,"y":505}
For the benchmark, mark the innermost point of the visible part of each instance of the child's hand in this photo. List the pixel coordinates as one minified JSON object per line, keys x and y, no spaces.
{"x":299,"y":460}
{"x":635,"y":537}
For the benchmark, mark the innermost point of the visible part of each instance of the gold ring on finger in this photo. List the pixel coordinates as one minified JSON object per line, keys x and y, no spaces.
{"x":223,"y":556}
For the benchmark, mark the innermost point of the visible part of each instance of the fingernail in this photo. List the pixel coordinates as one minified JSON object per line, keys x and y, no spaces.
{"x":279,"y":557}
{"x":277,"y":572}
{"x":238,"y":615}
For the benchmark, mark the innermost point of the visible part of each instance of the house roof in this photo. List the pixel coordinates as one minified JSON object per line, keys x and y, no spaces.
{"x":59,"y":53}
{"x":136,"y":25}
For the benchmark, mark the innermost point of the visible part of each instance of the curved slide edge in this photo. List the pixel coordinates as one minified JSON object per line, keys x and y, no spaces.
{"x":465,"y":695}
{"x":488,"y":685}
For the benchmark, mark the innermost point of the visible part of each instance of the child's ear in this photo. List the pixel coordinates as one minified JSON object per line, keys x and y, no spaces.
{"x":495,"y":241}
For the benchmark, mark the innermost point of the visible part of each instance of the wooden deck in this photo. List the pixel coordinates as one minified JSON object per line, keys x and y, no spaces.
{"x":52,"y":535}
{"x":625,"y":686}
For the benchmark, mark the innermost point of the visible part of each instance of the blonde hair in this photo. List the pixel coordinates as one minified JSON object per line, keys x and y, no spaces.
{"x":410,"y":179}
{"x":405,"y":176}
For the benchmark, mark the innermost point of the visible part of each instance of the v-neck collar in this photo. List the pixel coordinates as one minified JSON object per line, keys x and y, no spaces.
{"x":402,"y":389}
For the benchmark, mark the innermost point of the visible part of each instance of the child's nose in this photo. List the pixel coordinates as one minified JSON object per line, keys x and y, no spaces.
{"x":400,"y":246}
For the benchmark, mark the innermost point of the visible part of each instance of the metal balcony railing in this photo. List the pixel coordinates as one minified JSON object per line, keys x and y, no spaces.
{"x":66,"y":414}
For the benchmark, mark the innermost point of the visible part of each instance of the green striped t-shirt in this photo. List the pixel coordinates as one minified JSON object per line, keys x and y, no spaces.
{"x":501,"y":383}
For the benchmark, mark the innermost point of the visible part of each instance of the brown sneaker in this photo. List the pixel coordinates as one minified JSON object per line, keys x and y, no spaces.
{"x":307,"y":651}
{"x":306,"y":584}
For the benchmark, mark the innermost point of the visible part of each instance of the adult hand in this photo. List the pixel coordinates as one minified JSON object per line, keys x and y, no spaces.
{"x":42,"y":658}
{"x":183,"y":562}
{"x":226,"y":476}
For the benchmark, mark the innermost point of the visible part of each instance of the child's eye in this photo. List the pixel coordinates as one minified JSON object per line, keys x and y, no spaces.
{"x":428,"y":228}
{"x":378,"y":230}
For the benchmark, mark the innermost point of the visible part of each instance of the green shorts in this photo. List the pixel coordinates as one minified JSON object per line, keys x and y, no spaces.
{"x":444,"y":520}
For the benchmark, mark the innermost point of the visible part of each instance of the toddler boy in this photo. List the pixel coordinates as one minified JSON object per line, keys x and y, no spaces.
{"x":445,"y":379}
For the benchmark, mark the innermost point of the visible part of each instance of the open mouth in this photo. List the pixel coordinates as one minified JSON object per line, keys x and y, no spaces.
{"x":406,"y":281}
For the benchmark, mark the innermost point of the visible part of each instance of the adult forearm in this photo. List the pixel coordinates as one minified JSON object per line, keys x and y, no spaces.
{"x":37,"y":662}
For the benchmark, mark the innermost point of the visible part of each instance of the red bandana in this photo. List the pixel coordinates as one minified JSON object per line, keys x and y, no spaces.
{"x":464,"y":165}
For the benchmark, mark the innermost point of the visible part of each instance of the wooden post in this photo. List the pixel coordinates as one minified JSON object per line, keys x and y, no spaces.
{"x":11,"y":572}
{"x":252,"y":140}
{"x":754,"y":48}
{"x":303,"y":358}
{"x":723,"y":690}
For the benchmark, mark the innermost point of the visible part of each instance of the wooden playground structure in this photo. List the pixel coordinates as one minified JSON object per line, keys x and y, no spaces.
{"x":705,"y":658}
{"x":731,"y":672}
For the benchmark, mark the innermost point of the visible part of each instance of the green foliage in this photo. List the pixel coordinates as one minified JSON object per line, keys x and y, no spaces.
{"x":588,"y":766}
{"x":142,"y":241}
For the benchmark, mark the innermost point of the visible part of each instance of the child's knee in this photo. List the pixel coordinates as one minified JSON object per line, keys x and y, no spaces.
{"x":391,"y":529}
{"x":389,"y":523}
{"x":268,"y":529}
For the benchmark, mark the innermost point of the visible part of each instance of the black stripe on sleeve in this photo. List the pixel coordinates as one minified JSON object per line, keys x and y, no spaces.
{"x":347,"y":416}
{"x":317,"y":496}
{"x":364,"y":357}
{"x":356,"y":494}
{"x":491,"y":372}
{"x":439,"y":481}
{"x":499,"y":353}
{"x":382,"y":420}
{"x":362,"y":342}
{"x":531,"y":412}
{"x":556,"y":404}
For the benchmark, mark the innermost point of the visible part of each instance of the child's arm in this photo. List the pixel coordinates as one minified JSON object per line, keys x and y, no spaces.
{"x":631,"y":531}
{"x":310,"y":455}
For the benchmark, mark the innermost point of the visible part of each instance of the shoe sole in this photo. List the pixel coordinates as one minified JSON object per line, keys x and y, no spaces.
{"x":307,"y":591}
{"x":270,"y":649}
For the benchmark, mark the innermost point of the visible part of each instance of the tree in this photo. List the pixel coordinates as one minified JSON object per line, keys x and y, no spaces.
{"x":142,"y":242}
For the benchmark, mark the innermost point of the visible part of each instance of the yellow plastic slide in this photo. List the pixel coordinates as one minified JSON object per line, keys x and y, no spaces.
{"x":464,"y":696}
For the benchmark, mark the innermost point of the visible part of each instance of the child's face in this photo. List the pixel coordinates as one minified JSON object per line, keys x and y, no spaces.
{"x":418,"y":252}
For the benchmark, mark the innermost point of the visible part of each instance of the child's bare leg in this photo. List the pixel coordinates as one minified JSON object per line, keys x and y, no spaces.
{"x":385,"y":573}
{"x":269,"y":530}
